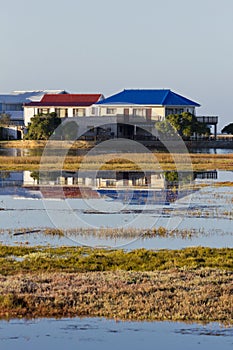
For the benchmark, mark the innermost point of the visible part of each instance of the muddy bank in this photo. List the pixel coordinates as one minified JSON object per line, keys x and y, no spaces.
{"x":202,"y":295}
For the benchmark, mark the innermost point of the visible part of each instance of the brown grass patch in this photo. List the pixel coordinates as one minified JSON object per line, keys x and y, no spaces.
{"x":200,"y":296}
{"x":162,"y":161}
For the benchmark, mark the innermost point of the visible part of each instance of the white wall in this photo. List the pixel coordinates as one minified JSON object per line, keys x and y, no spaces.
{"x":157,"y":111}
{"x":29,"y":112}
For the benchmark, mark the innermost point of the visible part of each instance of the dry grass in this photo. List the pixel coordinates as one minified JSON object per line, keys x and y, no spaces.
{"x":200,"y":295}
{"x":42,"y":143}
{"x":193,"y":284}
{"x":157,"y":161}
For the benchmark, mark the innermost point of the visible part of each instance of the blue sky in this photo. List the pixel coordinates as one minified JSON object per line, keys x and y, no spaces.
{"x":106,"y":46}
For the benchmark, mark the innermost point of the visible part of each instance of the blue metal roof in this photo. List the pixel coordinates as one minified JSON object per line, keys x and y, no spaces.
{"x":148,"y":97}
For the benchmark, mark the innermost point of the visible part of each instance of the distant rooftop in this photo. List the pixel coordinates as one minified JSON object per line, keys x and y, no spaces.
{"x":159,"y":97}
{"x":32,"y":92}
{"x":21,"y":97}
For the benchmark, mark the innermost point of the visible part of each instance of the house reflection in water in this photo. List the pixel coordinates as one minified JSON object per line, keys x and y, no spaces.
{"x":132,"y":187}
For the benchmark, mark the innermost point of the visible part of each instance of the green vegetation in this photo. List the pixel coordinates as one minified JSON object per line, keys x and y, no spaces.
{"x":203,"y":295}
{"x":228,"y":129}
{"x":42,"y":126}
{"x":193,"y":284}
{"x":185,"y":124}
{"x":73,"y":259}
{"x":4,"y":119}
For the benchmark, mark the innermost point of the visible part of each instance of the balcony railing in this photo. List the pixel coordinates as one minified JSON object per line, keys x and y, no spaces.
{"x":208,"y":119}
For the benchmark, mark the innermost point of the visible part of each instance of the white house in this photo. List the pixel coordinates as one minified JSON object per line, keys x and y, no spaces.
{"x":66,"y":105}
{"x":152,"y":104}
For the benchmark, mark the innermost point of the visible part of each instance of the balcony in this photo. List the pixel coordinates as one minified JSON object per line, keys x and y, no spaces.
{"x":210,"y":120}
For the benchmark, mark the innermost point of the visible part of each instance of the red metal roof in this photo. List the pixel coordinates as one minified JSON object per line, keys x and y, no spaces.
{"x":66,"y":100}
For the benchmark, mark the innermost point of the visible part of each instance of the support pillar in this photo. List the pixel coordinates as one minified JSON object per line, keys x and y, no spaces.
{"x":215,"y":131}
{"x":135,"y":132}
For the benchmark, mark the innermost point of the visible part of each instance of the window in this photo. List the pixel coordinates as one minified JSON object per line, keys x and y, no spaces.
{"x":190,"y":110}
{"x":79,"y":112}
{"x":43,"y":110}
{"x":141,"y":112}
{"x":13,"y":107}
{"x":61,"y":112}
{"x":93,"y":110}
{"x":110,"y":183}
{"x":111,"y":110}
{"x":174,"y":111}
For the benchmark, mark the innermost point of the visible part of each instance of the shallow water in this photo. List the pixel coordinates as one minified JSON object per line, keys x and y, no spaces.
{"x":212,"y":150}
{"x":25,"y":152}
{"x":208,"y":211}
{"x":95,"y":333}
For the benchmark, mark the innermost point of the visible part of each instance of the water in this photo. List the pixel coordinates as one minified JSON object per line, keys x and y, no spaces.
{"x":208,"y":211}
{"x":95,"y":333}
{"x":212,"y":150}
{"x":23,"y":152}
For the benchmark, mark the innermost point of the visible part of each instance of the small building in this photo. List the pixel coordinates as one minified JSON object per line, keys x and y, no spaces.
{"x":68,"y":105}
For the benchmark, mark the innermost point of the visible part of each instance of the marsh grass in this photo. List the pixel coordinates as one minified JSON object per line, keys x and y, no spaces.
{"x":111,"y":233}
{"x":84,"y":259}
{"x":203,"y":295}
{"x":121,"y":233}
{"x":192,"y":284}
{"x":114,"y":233}
{"x":42,"y":144}
{"x":163,"y":161}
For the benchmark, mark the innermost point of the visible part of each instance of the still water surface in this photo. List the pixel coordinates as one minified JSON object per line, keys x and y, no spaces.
{"x":208,"y":211}
{"x":24,"y":152}
{"x":102,"y":334}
